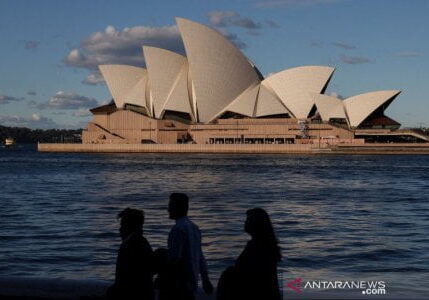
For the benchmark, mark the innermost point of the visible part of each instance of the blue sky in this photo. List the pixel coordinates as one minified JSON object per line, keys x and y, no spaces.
{"x":50,"y":49}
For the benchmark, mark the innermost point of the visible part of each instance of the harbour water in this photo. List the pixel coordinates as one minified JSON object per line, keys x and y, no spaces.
{"x":356,"y":217}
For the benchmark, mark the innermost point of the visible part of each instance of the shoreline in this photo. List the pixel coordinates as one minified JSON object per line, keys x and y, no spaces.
{"x":341,"y":149}
{"x":24,"y":288}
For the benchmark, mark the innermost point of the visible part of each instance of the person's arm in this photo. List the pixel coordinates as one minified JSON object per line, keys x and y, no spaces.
{"x":147,"y":255}
{"x":175,"y":245}
{"x":125,"y":264}
{"x":207,"y":286}
{"x":113,"y":290}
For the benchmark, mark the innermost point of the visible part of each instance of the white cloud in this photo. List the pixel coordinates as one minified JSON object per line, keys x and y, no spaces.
{"x":354,"y":60}
{"x":58,"y":113}
{"x":293,"y":3}
{"x":409,"y":54}
{"x":343,"y":45}
{"x":82,"y":112}
{"x":66,"y":100}
{"x":113,"y":46}
{"x":272,"y":24}
{"x":35,"y":121}
{"x":336,"y":95}
{"x":231,"y":18}
{"x":94,"y":79}
{"x":31,"y":45}
{"x":5,"y":99}
{"x":232,"y":37}
{"x":220,"y":18}
{"x":223,"y":19}
{"x":36,"y":117}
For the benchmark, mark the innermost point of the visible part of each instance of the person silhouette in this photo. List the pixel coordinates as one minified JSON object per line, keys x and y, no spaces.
{"x":170,"y":282}
{"x":254,"y":275}
{"x":133,"y":277}
{"x":184,"y":250}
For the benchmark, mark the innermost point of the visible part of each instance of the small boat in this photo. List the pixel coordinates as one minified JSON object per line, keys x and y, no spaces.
{"x":9,"y":142}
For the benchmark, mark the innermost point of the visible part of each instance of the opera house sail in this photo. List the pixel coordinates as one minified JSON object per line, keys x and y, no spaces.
{"x":215,"y":95}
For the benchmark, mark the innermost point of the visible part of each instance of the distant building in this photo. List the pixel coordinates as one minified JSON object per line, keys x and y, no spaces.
{"x":215,"y":95}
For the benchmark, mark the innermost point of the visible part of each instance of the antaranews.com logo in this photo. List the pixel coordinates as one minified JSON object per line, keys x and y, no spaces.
{"x":373,"y":287}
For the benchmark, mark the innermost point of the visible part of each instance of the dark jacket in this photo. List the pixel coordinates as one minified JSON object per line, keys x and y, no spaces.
{"x":134,"y":272}
{"x":256,"y":272}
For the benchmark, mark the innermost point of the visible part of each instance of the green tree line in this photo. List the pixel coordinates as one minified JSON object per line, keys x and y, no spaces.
{"x":27,"y":135}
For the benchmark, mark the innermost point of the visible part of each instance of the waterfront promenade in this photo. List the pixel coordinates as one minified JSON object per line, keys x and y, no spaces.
{"x":48,"y":289}
{"x":322,"y":148}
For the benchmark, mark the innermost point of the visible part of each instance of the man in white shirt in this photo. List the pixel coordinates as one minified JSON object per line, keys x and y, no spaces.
{"x":184,"y":248}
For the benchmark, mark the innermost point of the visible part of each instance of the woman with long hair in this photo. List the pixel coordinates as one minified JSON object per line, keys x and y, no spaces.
{"x":254,"y":275}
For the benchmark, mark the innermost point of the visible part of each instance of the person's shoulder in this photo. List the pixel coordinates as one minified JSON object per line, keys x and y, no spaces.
{"x":192,"y":227}
{"x":145,"y":244}
{"x":192,"y":224}
{"x":137,"y":239}
{"x":195,"y":230}
{"x":177,"y":229}
{"x":252,"y":246}
{"x":139,"y":243}
{"x":183,"y":223}
{"x":144,"y":240}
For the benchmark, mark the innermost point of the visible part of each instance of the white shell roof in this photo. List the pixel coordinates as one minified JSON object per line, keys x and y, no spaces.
{"x":220,"y":72}
{"x":295,"y":87}
{"x":359,"y":107}
{"x":329,"y":107}
{"x":120,"y":80}
{"x":164,"y":68}
{"x":216,"y":77}
{"x":178,"y":98}
{"x":268,"y":103}
{"x":244,"y":104}
{"x":137,"y":94}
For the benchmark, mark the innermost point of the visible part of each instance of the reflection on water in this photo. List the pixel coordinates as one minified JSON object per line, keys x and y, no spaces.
{"x":332,"y":214}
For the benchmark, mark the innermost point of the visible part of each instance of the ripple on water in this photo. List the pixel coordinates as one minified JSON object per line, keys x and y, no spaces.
{"x":331,"y":213}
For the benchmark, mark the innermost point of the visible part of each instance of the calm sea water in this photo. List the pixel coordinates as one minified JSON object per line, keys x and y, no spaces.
{"x":335,"y":216}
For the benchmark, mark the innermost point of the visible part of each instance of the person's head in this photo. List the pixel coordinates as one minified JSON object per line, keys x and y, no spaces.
{"x":258,"y":225}
{"x":132,"y":220}
{"x":178,"y":205}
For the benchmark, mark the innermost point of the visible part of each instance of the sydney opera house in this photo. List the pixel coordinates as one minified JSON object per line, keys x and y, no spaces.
{"x":215,"y":95}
